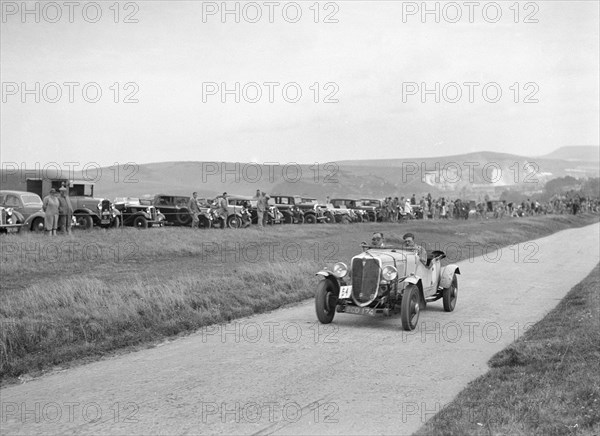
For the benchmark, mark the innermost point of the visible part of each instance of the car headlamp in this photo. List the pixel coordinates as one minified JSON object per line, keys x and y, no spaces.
{"x":389,"y":273}
{"x":340,"y":270}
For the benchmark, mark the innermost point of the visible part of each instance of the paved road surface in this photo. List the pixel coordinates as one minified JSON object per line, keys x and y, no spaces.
{"x":280,"y":373}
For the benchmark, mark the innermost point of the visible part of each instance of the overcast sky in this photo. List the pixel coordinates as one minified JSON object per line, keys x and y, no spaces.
{"x":366,"y":64}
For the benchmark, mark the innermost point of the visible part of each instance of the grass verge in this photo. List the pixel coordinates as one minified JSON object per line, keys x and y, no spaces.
{"x":64,"y":299}
{"x":546,"y":383}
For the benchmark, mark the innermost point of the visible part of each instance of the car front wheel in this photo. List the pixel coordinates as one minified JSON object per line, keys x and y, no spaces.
{"x":140,"y":222}
{"x":84,"y":222}
{"x":38,"y":225}
{"x":325,"y":301}
{"x":450,"y":295}
{"x":409,"y":311}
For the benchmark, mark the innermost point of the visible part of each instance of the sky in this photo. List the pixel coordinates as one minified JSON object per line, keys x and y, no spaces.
{"x":360,"y":83}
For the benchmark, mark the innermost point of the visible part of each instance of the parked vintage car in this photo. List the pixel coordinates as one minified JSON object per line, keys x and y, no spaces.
{"x":110,"y":216}
{"x":139,"y":213}
{"x":27,"y":208}
{"x":373,"y":207}
{"x":386,"y":281}
{"x":286,"y":204}
{"x":361,"y":213}
{"x":9,"y":220}
{"x":313,"y":211}
{"x":173,"y":207}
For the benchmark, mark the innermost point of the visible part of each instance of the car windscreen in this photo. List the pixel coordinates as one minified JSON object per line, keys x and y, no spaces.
{"x":31,"y":200}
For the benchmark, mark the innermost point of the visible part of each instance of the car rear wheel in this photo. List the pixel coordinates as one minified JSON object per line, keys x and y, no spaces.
{"x":310,"y":219}
{"x":325,"y":301}
{"x":184,"y":217}
{"x":410,"y":309}
{"x":330,"y":219}
{"x":450,"y":295}
{"x":234,"y":222}
{"x":140,"y":222}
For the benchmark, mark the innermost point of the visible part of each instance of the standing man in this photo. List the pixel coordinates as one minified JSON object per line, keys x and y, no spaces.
{"x":50,"y":207}
{"x":223,"y":210}
{"x":194,"y":209}
{"x":262,"y":205}
{"x":65,"y":211}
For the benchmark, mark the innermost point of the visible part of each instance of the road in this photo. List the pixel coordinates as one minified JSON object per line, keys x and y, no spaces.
{"x":281,"y":373}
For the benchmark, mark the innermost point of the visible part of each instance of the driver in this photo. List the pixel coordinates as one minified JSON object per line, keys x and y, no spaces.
{"x":409,"y":242}
{"x":377,"y":240}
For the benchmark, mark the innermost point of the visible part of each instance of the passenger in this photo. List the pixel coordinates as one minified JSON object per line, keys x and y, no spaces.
{"x":409,"y":242}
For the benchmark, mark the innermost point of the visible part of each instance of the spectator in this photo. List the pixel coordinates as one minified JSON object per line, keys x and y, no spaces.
{"x":50,"y":207}
{"x":194,"y":210}
{"x":65,"y":211}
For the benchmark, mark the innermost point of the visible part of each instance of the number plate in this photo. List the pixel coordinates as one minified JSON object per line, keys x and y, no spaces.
{"x":105,"y":221}
{"x":345,"y":291}
{"x":360,"y":310}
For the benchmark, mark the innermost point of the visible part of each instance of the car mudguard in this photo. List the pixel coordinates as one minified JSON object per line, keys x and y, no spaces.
{"x":86,"y":211}
{"x":447,"y":274}
{"x":328,"y":275}
{"x":415,"y":280}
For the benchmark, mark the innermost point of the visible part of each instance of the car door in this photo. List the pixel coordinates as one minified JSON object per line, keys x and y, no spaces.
{"x":428,"y":277}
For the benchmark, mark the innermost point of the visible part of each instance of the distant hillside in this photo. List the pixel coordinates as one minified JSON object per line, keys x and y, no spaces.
{"x":469,"y":175}
{"x":587,"y":153}
{"x":458,"y":175}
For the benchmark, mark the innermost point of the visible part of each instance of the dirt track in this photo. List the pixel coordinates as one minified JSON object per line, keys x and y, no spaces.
{"x":282,"y":373}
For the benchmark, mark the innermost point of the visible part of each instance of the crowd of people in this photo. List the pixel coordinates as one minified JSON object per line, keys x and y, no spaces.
{"x":59,"y":210}
{"x":427,"y":207}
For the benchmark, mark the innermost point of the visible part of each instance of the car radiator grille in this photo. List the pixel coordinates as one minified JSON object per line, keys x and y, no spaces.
{"x":153,"y":213}
{"x":365,"y":279}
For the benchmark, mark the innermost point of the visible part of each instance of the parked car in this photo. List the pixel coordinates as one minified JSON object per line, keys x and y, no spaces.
{"x":27,"y":207}
{"x":109,"y":214}
{"x":386,"y":281}
{"x":139,"y":213}
{"x":373,"y":207}
{"x":286,"y":204}
{"x":313,"y":211}
{"x":361,"y":213}
{"x":9,"y":220}
{"x":173,"y":207}
{"x":235,"y":206}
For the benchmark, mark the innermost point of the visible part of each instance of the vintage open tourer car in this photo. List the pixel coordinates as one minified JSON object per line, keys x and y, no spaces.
{"x":385,"y":281}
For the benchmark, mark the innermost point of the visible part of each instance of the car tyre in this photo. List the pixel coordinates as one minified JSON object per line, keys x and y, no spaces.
{"x":184,"y":217}
{"x":116,"y":223}
{"x":410,"y":309}
{"x":234,"y":222}
{"x":330,"y":218}
{"x":450,"y":295}
{"x":38,"y":225}
{"x":325,"y":301}
{"x":310,"y":219}
{"x":84,"y":221}
{"x":140,"y":222}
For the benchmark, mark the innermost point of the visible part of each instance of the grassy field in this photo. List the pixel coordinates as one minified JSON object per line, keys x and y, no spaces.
{"x":70,"y":298}
{"x":546,"y":383}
